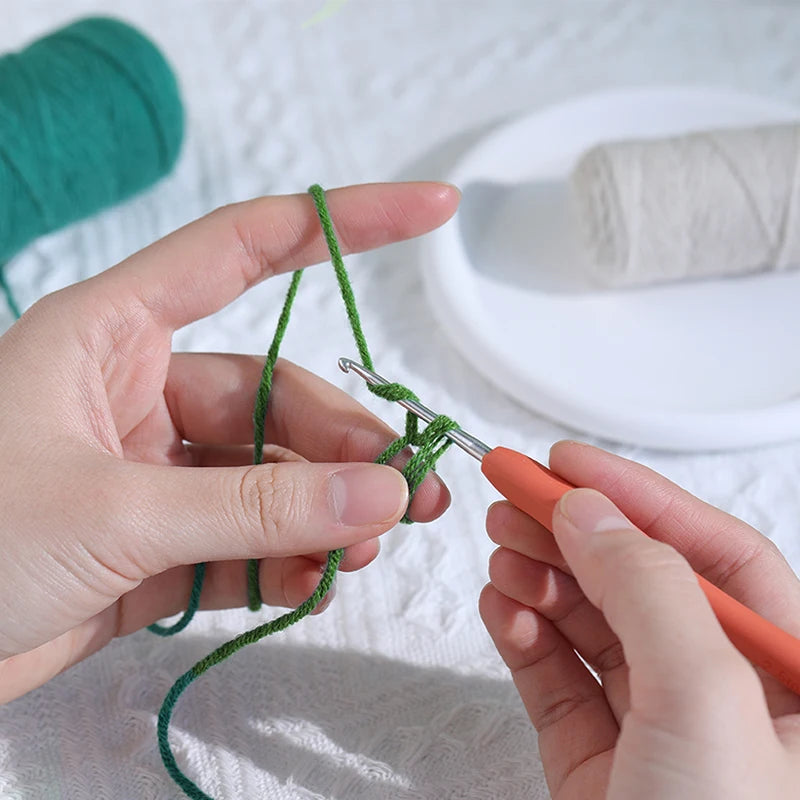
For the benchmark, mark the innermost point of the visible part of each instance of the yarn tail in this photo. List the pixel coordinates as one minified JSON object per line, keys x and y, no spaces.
{"x":226,"y":650}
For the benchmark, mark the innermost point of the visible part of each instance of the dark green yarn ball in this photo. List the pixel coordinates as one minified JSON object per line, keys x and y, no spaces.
{"x":89,"y":115}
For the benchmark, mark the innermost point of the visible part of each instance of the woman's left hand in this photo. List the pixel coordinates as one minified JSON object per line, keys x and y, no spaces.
{"x":123,"y":464}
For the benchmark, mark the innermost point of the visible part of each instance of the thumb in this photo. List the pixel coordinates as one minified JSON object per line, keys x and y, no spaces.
{"x":187,"y":515}
{"x":679,"y":656}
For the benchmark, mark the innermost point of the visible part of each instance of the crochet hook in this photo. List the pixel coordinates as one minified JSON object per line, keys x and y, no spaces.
{"x":535,"y":489}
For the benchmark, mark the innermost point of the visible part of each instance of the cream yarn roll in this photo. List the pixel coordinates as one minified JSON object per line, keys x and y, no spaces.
{"x":702,"y":205}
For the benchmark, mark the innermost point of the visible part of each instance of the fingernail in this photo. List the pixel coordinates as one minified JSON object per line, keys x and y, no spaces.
{"x":367,"y":494}
{"x":591,"y":512}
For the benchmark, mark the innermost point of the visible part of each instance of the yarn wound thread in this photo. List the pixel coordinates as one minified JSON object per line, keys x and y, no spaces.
{"x":89,"y":115}
{"x":431,"y":443}
{"x":702,"y":205}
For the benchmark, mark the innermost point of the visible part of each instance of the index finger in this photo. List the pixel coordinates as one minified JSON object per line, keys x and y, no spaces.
{"x":207,"y":264}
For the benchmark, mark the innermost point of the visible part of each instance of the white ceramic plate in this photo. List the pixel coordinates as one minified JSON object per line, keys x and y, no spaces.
{"x":693,"y":366}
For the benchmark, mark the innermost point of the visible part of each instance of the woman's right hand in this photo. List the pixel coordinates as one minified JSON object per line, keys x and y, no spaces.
{"x":678,"y":712}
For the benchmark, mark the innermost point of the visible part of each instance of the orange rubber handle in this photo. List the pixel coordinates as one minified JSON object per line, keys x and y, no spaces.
{"x":534,"y":489}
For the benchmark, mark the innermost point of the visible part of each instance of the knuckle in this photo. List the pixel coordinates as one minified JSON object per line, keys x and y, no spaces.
{"x":732,"y":563}
{"x":358,"y":443}
{"x":255,"y":490}
{"x":556,"y":708}
{"x":393,"y":215}
{"x":566,"y":601}
{"x":348,"y":444}
{"x":268,"y":497}
{"x":608,"y":658}
{"x":495,"y":562}
{"x":247,"y":249}
{"x":253,"y":260}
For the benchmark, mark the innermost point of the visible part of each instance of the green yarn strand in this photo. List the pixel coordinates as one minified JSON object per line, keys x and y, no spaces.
{"x":190,"y":788}
{"x":191,"y":608}
{"x":430,"y":444}
{"x":265,"y":387}
{"x":281,"y":623}
{"x":254,"y":599}
{"x":226,"y":650}
{"x":318,"y":195}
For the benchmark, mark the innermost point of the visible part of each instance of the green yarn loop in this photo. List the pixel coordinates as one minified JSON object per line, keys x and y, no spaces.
{"x":89,"y":115}
{"x":191,"y":607}
{"x":392,"y":391}
{"x":431,"y":443}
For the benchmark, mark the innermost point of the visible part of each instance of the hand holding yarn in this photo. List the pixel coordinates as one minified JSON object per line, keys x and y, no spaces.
{"x":679,"y":711}
{"x":123,"y":463}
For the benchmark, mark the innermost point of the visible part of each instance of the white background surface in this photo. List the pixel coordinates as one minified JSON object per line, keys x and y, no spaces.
{"x":681,"y":366}
{"x":396,"y":691}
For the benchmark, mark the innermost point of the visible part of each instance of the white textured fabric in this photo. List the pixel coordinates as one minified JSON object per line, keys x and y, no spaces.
{"x":396,"y":691}
{"x":701,"y":205}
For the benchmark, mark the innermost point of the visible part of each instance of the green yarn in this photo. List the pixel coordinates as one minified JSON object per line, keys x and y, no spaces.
{"x":191,"y":607}
{"x":190,"y":788}
{"x":342,"y":278}
{"x":431,"y":443}
{"x":265,"y":387}
{"x":89,"y":115}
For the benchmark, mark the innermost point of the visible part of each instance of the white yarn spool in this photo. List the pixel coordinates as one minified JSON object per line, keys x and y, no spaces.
{"x":702,"y":205}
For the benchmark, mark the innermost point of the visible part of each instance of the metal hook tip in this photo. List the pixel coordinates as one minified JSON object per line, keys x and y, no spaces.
{"x":475,"y":447}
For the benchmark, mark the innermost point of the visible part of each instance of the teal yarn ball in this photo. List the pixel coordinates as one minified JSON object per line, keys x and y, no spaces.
{"x":89,"y":115}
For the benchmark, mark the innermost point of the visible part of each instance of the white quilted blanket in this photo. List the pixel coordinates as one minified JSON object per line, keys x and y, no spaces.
{"x":396,"y":691}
